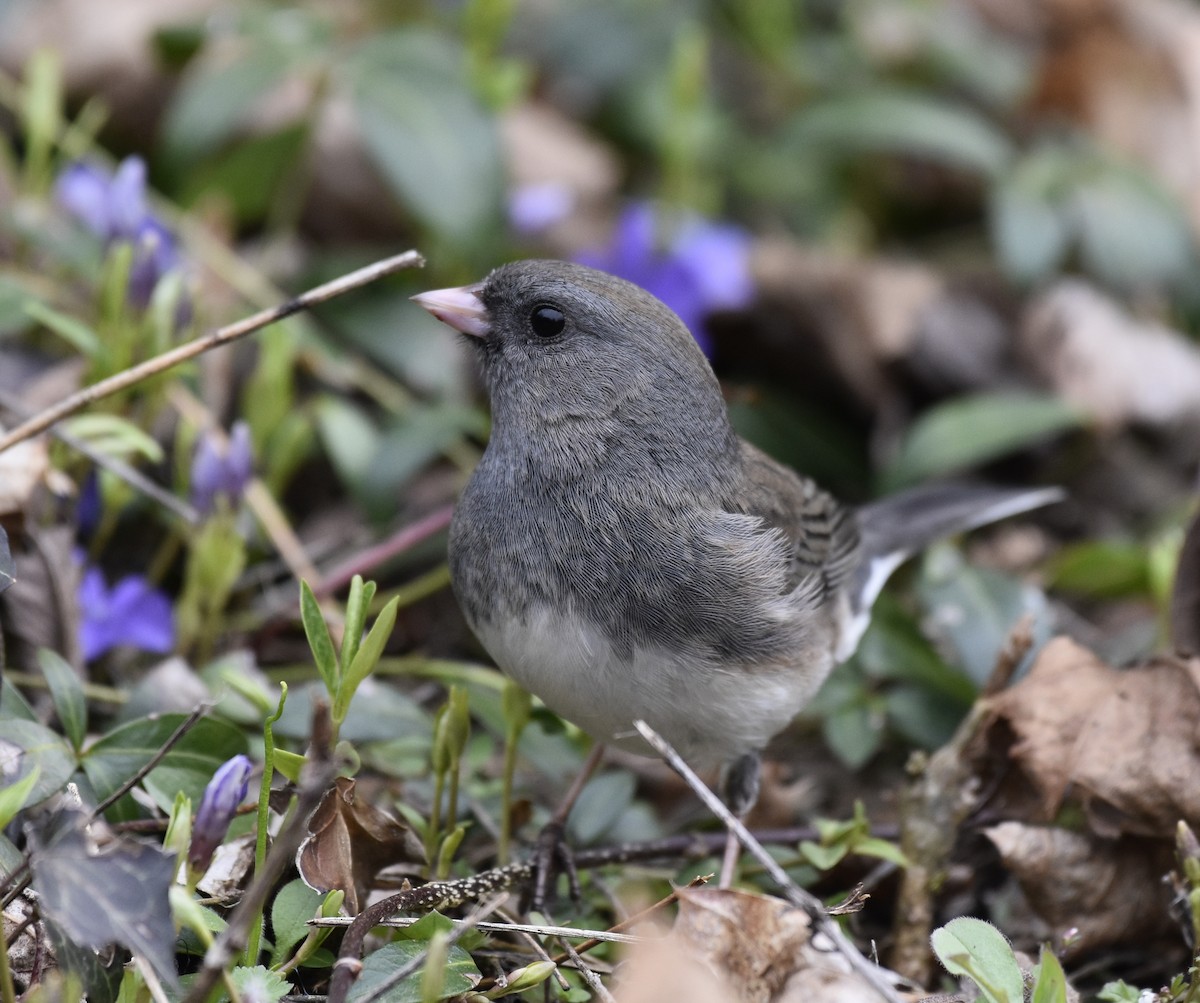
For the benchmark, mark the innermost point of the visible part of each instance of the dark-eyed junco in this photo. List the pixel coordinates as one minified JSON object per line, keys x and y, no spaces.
{"x":622,"y":554}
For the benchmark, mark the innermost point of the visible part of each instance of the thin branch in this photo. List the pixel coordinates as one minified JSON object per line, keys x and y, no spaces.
{"x":186,"y":725}
{"x":222,"y":336}
{"x":796,"y":895}
{"x":404,"y":539}
{"x":588,"y":976}
{"x":593,"y":937}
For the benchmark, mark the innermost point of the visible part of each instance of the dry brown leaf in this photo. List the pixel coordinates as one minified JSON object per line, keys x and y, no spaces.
{"x":1122,"y":743}
{"x":225,"y":877}
{"x":1112,"y":366}
{"x":1106,"y":892}
{"x":736,"y":947}
{"x":350,"y":841}
{"x":22,"y":468}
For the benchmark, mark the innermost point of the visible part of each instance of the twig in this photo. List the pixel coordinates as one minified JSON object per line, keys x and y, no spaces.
{"x":588,"y":976}
{"x":591,"y":937}
{"x":222,"y":336}
{"x":316,"y":778}
{"x":796,"y":895}
{"x":636,"y":918}
{"x":150,"y":977}
{"x":404,"y":539}
{"x":186,"y":725}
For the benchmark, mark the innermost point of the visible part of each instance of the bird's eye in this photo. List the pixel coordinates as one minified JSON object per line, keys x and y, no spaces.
{"x":547,"y":321}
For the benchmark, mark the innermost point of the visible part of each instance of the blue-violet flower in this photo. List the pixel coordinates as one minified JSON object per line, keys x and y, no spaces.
{"x":131,"y":613}
{"x":114,"y":208}
{"x":222,"y":470}
{"x":222,"y":797}
{"x":704,"y":267}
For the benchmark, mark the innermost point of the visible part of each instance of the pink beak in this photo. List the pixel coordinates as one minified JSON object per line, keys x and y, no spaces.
{"x":460,"y":307}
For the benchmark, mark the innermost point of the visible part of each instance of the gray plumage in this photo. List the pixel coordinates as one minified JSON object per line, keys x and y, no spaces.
{"x":623,"y":554}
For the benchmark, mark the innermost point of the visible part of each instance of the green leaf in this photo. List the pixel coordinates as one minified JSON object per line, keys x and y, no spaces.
{"x":36,"y":749}
{"x":907,"y":123}
{"x":13,"y":706}
{"x":822,"y":857}
{"x":289,"y":764}
{"x":425,"y":131}
{"x":188,"y":765}
{"x":14,"y":797}
{"x":66,"y":690}
{"x":971,"y":947}
{"x":1105,"y":569}
{"x":460,"y":973}
{"x":114,"y":435}
{"x":295,"y":904}
{"x":72,"y":330}
{"x":358,"y":603}
{"x":971,"y":610}
{"x":881,"y":849}
{"x":256,"y":173}
{"x":260,"y":984}
{"x":603,"y":800}
{"x":854,"y":731}
{"x":1050,"y":982}
{"x":317,"y":632}
{"x":975,"y":429}
{"x":1031,"y":234}
{"x":366,"y":659}
{"x":214,"y":100}
{"x":1119,"y":992}
{"x":349,"y":436}
{"x":1131,"y":233}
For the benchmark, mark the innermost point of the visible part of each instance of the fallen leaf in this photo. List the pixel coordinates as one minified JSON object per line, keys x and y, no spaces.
{"x":1098,"y":889}
{"x":1121,"y":743}
{"x":350,"y":841}
{"x":730,"y":946}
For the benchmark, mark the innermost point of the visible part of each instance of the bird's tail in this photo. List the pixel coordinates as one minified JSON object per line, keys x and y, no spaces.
{"x":894,"y":528}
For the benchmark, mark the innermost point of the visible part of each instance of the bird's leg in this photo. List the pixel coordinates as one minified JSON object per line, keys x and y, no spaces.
{"x":551,"y":848}
{"x":740,"y":790}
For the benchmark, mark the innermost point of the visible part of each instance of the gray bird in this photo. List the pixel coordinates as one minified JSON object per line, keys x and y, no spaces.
{"x":622,"y":554}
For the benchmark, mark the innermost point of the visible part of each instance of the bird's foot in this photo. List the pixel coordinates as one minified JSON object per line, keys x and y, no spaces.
{"x":551,"y":856}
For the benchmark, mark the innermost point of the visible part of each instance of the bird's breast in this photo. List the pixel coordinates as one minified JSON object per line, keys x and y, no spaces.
{"x":712,"y":710}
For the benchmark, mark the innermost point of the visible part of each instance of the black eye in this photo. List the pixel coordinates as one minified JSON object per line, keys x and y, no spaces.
{"x":547,"y":321}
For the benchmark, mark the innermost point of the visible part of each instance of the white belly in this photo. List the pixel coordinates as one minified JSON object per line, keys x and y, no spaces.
{"x":709,"y":713}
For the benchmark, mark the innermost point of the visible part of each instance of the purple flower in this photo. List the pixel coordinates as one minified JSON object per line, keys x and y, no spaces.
{"x":222,"y":798}
{"x":114,"y":208}
{"x":704,"y":267}
{"x":131,"y":613}
{"x":533,"y":208}
{"x":222,"y":470}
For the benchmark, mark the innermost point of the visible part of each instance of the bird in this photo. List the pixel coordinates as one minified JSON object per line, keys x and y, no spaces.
{"x":623,"y":554}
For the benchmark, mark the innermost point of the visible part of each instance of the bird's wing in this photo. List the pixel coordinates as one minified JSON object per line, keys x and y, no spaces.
{"x":823,"y":534}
